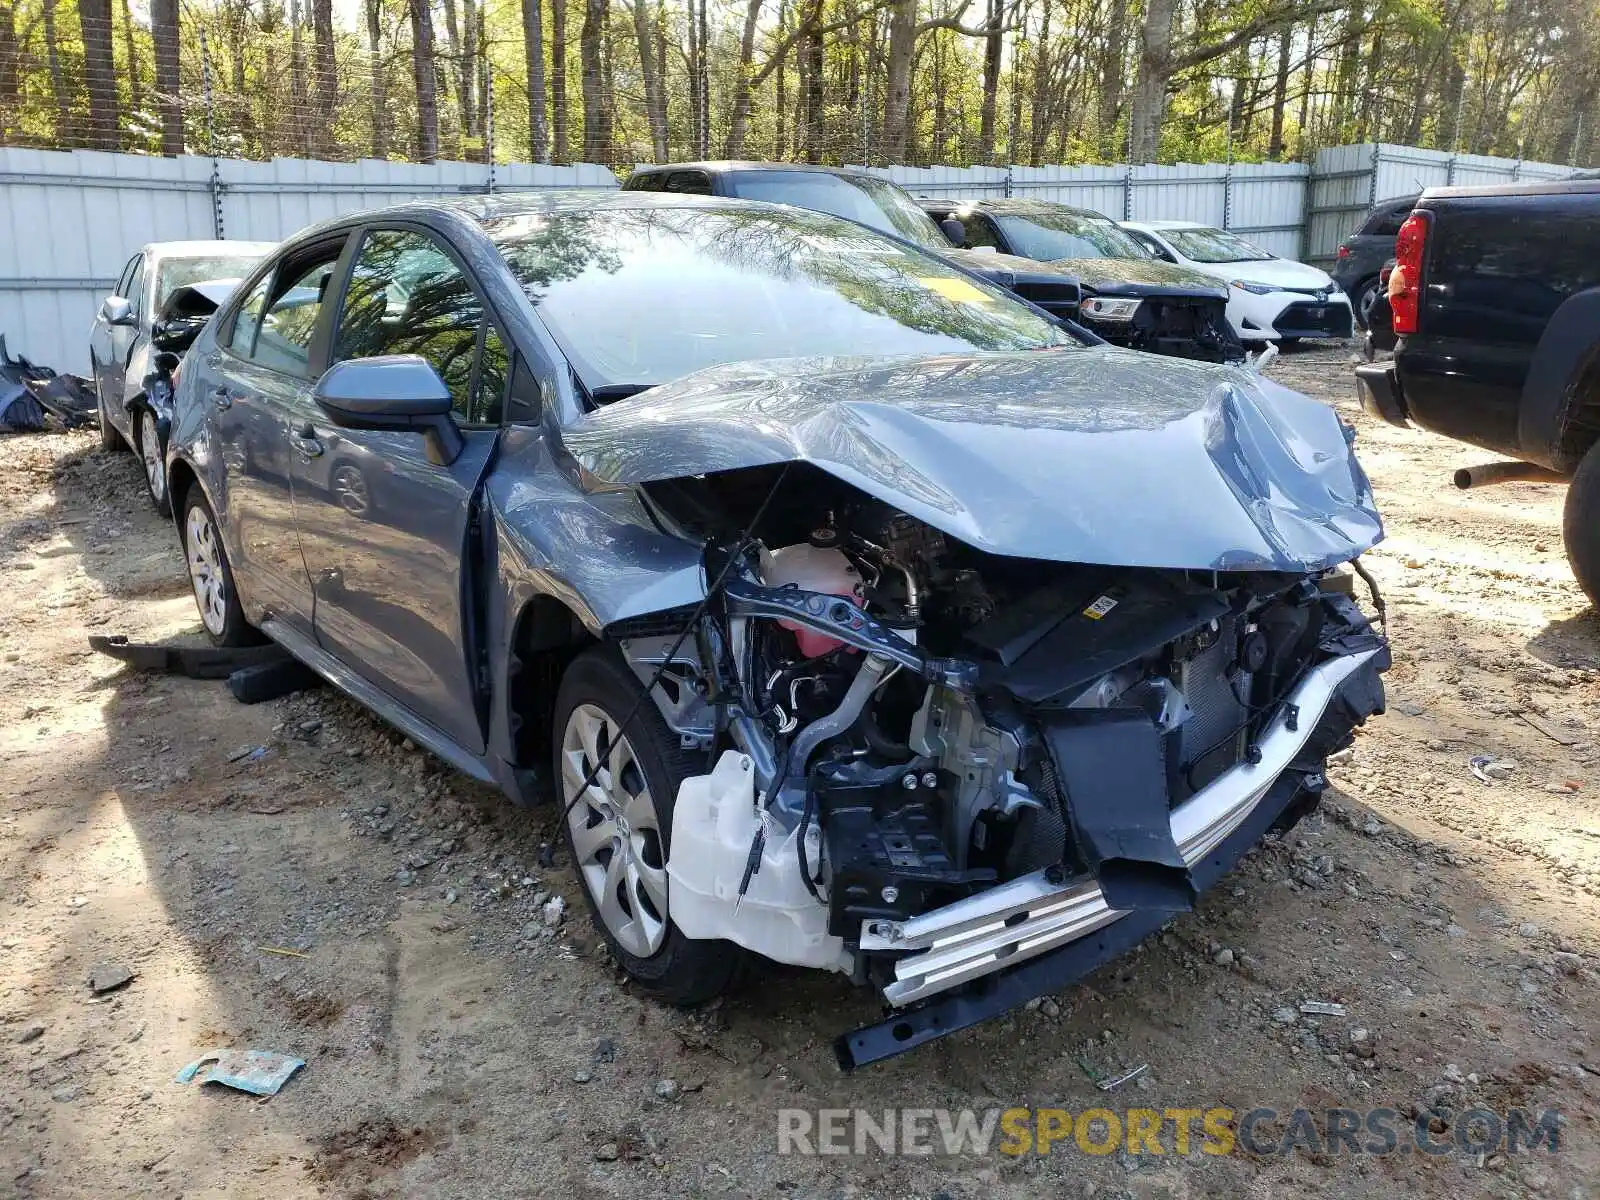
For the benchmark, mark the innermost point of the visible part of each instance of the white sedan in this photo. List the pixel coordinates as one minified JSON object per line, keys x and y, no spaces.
{"x":1270,"y":299}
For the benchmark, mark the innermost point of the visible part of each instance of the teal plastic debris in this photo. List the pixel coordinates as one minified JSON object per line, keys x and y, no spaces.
{"x":259,"y":1072}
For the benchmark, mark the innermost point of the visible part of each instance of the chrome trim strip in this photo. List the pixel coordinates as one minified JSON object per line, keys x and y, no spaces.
{"x":1028,"y":916}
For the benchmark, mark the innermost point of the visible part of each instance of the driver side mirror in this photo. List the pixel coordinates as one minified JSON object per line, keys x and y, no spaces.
{"x":396,"y":392}
{"x":954,"y":230}
{"x":117,"y":310}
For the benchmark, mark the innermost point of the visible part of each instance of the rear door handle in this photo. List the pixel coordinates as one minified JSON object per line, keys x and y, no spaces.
{"x":306,"y":443}
{"x":221,"y":398}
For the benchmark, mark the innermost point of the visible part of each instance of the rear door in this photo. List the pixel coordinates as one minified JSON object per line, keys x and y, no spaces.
{"x":258,"y":378}
{"x":385,"y":531}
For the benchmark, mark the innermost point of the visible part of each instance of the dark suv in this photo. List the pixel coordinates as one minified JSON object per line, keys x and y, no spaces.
{"x":1363,"y":253}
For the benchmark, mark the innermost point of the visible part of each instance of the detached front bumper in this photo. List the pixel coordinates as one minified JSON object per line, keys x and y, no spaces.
{"x":1378,"y":387}
{"x":1041,"y":932}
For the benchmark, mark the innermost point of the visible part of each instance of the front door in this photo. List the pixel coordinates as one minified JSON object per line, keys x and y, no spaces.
{"x":384,"y":531}
{"x":260,"y":374}
{"x":120,"y":340}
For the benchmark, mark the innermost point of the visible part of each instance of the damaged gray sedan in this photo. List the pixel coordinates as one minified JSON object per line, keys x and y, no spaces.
{"x":856,"y":614}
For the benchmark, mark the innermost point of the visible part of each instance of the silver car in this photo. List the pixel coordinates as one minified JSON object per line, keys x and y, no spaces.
{"x":859,"y":616}
{"x":122,"y":339}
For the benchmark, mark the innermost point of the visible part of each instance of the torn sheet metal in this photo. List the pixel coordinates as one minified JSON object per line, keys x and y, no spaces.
{"x":1074,"y":455}
{"x":259,"y":1072}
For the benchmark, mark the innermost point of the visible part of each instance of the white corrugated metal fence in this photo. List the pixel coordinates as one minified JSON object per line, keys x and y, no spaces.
{"x":70,"y":220}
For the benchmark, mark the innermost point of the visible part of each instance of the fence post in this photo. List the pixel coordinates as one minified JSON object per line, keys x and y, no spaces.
{"x":211,"y":139}
{"x":1009,"y":168}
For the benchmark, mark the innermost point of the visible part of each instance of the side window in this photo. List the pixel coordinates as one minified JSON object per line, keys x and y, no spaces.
{"x":691,"y":183}
{"x":290,"y":320}
{"x":646,"y":182}
{"x":1150,"y":244}
{"x":494,"y":365}
{"x":407,"y":296}
{"x":243,"y":339}
{"x":979,"y":231}
{"x":123,"y":280}
{"x":1387,"y":224}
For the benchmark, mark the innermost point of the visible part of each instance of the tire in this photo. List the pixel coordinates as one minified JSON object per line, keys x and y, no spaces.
{"x":147,"y":440}
{"x":210,"y":575}
{"x":1362,"y":300}
{"x":110,"y":439}
{"x":1580,"y":525}
{"x":626,"y":901}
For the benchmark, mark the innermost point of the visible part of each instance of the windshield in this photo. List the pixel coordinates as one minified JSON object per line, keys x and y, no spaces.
{"x":174,"y":273}
{"x":1214,"y":246}
{"x":1049,"y":234}
{"x":641,"y":296}
{"x":873,"y":202}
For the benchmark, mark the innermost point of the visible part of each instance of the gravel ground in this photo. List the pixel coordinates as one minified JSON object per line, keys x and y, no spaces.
{"x":348,"y":899}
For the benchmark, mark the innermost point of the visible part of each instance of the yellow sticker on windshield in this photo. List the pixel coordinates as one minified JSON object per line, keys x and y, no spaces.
{"x":953,"y":287}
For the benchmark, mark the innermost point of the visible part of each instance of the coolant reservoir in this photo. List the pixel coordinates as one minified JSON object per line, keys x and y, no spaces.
{"x":812,"y":569}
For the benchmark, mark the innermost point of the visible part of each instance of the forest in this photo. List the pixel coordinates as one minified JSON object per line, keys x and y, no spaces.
{"x":832,"y":81}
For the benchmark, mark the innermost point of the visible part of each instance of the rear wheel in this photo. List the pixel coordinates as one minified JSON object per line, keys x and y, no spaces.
{"x":1365,"y":296}
{"x":110,"y":439}
{"x":1580,"y":525}
{"x":620,"y":830}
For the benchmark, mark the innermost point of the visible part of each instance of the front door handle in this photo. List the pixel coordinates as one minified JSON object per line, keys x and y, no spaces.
{"x":306,"y":443}
{"x":221,"y":398}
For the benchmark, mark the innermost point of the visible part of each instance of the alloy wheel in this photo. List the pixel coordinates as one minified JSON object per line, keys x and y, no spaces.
{"x":616,"y":837}
{"x":205,"y":569}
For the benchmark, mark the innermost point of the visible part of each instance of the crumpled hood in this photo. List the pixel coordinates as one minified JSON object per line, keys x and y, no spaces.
{"x":1138,"y":276}
{"x":1093,"y":455}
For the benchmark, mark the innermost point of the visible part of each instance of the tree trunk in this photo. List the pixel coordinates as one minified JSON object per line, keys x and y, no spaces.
{"x":991,"y":80}
{"x":10,"y":91}
{"x":897,"y":78}
{"x":378,"y":84}
{"x":483,"y":72}
{"x":1038,"y":120}
{"x":239,"y":101}
{"x":1372,"y":77}
{"x":811,"y":49}
{"x":164,"y":32}
{"x":467,"y":72}
{"x":650,"y":69}
{"x":130,"y":51}
{"x":1113,"y":82}
{"x":450,"y":80}
{"x":427,"y":85}
{"x":327,"y":77}
{"x":1150,"y":90}
{"x":591,"y":81}
{"x":533,"y":50}
{"x":99,"y":72}
{"x":780,"y":87}
{"x":703,"y":83}
{"x":299,"y":103}
{"x":739,"y":122}
{"x":558,"y":78}
{"x":1014,"y":136}
{"x":1280,"y":93}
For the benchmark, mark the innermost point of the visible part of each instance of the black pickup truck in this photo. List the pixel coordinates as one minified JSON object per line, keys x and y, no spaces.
{"x":1496,"y":308}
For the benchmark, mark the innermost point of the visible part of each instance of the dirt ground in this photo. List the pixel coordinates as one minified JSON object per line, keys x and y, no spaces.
{"x":347,"y":899}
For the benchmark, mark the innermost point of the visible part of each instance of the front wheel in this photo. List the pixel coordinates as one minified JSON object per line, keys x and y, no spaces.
{"x":1366,"y":295}
{"x":147,"y":435}
{"x":620,"y":829}
{"x":211,"y":576}
{"x":1580,"y":524}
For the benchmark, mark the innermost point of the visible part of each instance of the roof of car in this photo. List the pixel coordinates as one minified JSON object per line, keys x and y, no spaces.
{"x":725,"y":166}
{"x":206,"y":249}
{"x":1011,"y":207}
{"x":1166,"y":225}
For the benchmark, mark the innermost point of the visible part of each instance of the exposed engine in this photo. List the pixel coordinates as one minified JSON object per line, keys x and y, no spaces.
{"x":920,"y":722}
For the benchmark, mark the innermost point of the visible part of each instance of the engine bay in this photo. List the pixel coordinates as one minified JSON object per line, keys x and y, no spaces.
{"x":920,"y":721}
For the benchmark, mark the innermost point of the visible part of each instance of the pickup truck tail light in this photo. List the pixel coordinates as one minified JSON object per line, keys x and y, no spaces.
{"x":1405,"y":281}
{"x":1343,"y":252}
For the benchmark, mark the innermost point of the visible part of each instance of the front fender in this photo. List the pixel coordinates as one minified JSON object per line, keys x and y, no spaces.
{"x":1568,"y":348}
